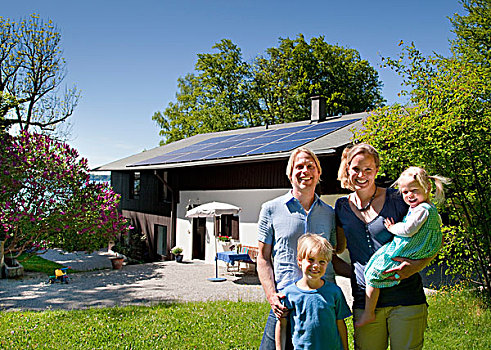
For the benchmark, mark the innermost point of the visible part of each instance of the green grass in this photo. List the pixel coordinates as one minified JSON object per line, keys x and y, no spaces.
{"x":457,"y":320}
{"x":212,"y":325}
{"x":34,"y":263}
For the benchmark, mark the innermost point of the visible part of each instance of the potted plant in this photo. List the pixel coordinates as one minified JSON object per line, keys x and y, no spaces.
{"x":119,"y":249}
{"x":177,"y":251}
{"x":225,"y":243}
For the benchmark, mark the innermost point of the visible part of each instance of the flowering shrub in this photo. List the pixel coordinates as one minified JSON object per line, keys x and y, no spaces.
{"x":224,"y":238}
{"x":46,"y":199}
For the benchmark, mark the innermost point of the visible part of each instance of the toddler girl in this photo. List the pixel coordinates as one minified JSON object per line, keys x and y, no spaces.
{"x":418,"y":236}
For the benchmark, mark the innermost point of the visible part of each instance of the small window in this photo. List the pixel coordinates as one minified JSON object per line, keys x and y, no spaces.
{"x":229,"y":226}
{"x":164,"y":193}
{"x":135,"y":184}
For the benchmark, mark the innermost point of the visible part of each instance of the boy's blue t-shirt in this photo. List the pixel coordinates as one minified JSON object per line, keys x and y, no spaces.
{"x":313,"y":316}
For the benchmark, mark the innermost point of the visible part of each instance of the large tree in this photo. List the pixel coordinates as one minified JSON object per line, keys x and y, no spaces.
{"x":32,"y":70}
{"x":227,"y":92}
{"x":448,"y":131}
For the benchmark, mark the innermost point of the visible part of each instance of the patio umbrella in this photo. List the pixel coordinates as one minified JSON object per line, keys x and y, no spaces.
{"x":213,"y":209}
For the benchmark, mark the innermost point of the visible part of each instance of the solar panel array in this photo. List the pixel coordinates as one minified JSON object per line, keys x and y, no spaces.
{"x":245,"y":144}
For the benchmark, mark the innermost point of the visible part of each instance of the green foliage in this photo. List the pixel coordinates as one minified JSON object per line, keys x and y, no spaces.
{"x":228,"y":93}
{"x":47,"y":200}
{"x":473,"y":32}
{"x":32,"y":70}
{"x":448,"y":132}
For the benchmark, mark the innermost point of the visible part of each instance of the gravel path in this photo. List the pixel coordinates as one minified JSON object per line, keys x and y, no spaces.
{"x":144,"y":284}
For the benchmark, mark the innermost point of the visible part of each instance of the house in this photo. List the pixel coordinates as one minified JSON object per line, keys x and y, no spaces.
{"x":243,"y":167}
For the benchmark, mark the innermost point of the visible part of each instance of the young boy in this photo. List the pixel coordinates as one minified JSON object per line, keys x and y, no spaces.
{"x":317,"y":307}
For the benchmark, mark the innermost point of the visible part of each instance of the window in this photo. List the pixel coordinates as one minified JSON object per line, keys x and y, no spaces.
{"x":135,"y":184}
{"x":165,"y":195}
{"x":229,"y":226}
{"x":161,"y":239}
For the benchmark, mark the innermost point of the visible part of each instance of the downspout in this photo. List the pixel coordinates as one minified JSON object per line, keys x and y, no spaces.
{"x":173,"y":217}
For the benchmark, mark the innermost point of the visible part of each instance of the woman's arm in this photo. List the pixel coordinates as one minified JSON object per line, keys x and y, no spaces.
{"x":408,"y":267}
{"x":341,"y":267}
{"x":340,"y":240}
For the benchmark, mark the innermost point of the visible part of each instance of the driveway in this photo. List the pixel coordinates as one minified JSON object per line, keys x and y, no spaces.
{"x":144,"y":284}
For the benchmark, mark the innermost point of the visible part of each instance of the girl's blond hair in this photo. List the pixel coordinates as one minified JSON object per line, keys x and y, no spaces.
{"x":420,"y":175}
{"x":311,"y":244}
{"x":348,"y":154}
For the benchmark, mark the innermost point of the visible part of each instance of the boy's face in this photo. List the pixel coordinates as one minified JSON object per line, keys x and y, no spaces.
{"x":313,"y":266}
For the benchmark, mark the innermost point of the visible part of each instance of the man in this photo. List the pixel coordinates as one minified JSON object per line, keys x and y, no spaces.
{"x":281,"y":222}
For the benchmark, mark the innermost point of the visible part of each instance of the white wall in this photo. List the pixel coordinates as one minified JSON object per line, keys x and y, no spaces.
{"x":249,"y":200}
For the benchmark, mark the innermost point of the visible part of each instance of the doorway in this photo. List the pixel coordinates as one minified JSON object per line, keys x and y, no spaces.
{"x":199,"y":237}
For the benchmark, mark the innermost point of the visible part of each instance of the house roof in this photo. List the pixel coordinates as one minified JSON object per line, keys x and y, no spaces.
{"x":322,"y":145}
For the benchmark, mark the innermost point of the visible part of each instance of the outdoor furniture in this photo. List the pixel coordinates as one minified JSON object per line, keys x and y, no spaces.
{"x":246,"y":254}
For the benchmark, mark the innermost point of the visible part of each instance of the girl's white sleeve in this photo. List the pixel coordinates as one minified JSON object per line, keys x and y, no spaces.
{"x":413,"y":223}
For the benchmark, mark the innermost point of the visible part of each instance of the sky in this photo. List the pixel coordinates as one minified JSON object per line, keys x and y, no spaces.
{"x":125,"y":56}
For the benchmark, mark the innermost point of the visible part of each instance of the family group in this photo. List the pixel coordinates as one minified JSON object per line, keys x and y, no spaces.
{"x":391,"y":234}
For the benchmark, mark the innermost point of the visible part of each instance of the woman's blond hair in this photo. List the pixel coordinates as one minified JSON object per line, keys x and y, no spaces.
{"x":311,"y":244}
{"x":291,"y":160}
{"x":348,"y":154}
{"x":420,"y":175}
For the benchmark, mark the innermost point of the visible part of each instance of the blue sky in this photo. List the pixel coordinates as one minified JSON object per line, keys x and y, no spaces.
{"x":126,"y":56}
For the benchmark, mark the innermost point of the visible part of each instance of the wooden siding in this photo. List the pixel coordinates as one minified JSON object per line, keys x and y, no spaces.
{"x":148,"y":200}
{"x":234,"y":176}
{"x":145,"y":223}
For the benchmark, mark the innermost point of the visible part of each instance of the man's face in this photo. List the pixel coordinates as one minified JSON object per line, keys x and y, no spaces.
{"x":305,"y":174}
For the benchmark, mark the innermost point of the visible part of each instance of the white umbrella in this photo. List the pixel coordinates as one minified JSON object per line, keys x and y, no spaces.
{"x":213,"y":209}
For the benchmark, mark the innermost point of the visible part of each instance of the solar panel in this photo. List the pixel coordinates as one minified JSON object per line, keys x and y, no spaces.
{"x":253,"y":143}
{"x":278,"y":147}
{"x":233,"y":152}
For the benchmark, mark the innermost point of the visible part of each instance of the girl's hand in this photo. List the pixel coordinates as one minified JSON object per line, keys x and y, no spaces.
{"x":388,"y":222}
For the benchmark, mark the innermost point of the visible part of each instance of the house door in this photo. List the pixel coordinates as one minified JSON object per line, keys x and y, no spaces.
{"x":199,"y":234}
{"x":161,"y":240}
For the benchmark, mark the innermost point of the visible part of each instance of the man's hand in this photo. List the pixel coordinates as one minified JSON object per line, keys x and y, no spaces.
{"x":277,"y":306}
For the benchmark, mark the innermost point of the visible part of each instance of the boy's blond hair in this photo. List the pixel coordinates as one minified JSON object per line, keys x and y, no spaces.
{"x":311,"y":244}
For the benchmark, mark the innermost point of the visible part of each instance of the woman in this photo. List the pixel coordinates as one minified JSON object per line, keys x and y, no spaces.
{"x":401,"y":312}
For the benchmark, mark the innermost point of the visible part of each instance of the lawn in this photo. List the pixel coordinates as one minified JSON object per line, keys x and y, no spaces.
{"x":458,"y":320}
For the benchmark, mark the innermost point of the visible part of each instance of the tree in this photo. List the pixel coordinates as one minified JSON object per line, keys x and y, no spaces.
{"x":448,"y":132}
{"x":228,"y":93}
{"x":46,"y":199}
{"x":472,"y":30}
{"x":31,"y":73}
{"x":287,"y":76}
